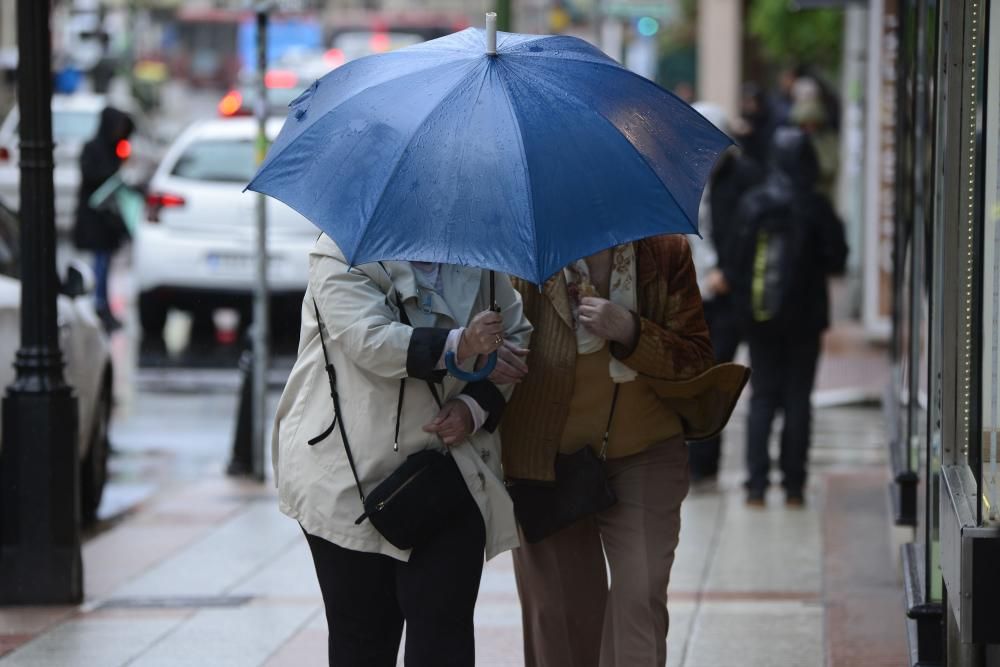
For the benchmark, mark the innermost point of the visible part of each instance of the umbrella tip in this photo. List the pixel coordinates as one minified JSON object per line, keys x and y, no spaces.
{"x":491,"y":33}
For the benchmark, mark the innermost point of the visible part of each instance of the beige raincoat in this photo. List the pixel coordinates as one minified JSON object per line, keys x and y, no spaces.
{"x":371,"y":351}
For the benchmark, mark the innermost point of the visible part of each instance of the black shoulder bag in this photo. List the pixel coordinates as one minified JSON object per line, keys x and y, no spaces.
{"x":581,"y":489}
{"x":420,"y":496}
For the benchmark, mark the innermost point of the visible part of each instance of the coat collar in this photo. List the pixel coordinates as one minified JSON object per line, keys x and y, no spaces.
{"x":460,"y":284}
{"x":555,"y":287}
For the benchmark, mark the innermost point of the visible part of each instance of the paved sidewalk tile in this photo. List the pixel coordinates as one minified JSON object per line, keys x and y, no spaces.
{"x":228,"y":637}
{"x":100,"y":642}
{"x":222,"y":559}
{"x":757,"y":634}
{"x":768,"y":550}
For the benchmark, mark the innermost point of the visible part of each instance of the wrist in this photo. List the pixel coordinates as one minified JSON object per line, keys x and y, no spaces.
{"x":628,"y":329}
{"x":629,"y":337}
{"x":464,"y":350}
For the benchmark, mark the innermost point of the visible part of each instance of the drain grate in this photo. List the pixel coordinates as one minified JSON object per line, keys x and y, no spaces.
{"x":176,"y":602}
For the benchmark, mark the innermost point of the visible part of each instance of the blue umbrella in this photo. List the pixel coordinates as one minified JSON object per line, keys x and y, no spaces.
{"x":520,"y":161}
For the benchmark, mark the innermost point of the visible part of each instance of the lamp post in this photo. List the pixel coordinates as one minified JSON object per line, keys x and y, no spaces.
{"x":39,"y":476}
{"x":261,"y":311}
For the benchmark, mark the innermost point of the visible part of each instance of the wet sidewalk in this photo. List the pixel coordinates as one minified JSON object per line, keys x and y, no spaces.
{"x":207,"y":572}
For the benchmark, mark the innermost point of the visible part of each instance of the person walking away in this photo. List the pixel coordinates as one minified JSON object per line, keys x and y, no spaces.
{"x":103,"y":231}
{"x":791,"y":241}
{"x":809,"y":114}
{"x":383,"y":330}
{"x":603,"y":327}
{"x":756,"y":124}
{"x":734,"y":175}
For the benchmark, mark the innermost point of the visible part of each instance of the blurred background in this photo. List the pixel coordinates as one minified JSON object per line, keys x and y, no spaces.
{"x":161,"y":368}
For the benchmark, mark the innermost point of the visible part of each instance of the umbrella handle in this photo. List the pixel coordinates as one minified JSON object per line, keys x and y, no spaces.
{"x":481,"y":374}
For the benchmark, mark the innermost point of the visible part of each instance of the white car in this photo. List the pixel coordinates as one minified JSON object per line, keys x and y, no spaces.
{"x":74,"y":122}
{"x":195,"y":250}
{"x":85,"y":350}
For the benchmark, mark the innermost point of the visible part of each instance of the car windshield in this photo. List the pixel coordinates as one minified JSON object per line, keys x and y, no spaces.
{"x":72,"y":127}
{"x":218,"y":160}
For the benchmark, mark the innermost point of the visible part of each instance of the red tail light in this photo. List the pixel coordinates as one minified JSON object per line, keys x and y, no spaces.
{"x":157,"y":201}
{"x":334,"y":58}
{"x":279,"y":78}
{"x":123,"y":150}
{"x":231,"y":103}
{"x":379,"y":42}
{"x":4,"y":154}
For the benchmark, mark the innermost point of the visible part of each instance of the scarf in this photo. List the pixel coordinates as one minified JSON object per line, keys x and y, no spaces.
{"x":622,"y":293}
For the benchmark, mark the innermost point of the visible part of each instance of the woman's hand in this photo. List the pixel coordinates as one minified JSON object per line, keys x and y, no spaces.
{"x":716,"y":282}
{"x":607,"y":320}
{"x":511,"y":367}
{"x":483,"y":335}
{"x":453,"y":423}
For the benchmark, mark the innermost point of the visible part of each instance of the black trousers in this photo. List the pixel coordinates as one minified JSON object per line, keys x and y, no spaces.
{"x":369,"y":596}
{"x":784,"y":371}
{"x":726,"y":332}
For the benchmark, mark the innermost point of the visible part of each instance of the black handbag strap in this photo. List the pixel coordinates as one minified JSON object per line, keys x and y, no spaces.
{"x":331,"y":374}
{"x":611,"y":417}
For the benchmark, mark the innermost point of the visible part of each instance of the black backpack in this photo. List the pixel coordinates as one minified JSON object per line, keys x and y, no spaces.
{"x":775,"y":260}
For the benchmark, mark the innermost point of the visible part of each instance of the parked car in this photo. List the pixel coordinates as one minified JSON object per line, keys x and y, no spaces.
{"x":85,"y":350}
{"x":74,"y":122}
{"x":195,"y":249}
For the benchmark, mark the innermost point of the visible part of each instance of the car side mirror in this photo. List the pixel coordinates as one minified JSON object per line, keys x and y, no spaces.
{"x":79,"y":280}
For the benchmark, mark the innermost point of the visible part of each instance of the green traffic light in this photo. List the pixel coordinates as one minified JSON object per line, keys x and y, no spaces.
{"x":648,"y":26}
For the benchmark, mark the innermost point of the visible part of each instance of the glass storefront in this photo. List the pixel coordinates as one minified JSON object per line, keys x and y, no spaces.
{"x":989,"y":129}
{"x":945,"y":409}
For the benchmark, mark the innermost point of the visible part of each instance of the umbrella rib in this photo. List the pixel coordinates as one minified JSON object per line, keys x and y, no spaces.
{"x":570,"y":93}
{"x":527,"y":171}
{"x":402,"y":154}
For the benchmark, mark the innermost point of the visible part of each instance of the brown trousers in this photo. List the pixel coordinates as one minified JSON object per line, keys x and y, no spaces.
{"x":571,"y":618}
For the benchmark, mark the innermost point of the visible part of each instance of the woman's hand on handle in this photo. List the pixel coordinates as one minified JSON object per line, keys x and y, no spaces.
{"x":483,"y":335}
{"x":453,"y":423}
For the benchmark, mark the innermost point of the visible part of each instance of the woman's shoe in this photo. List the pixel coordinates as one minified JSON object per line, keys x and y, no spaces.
{"x":795,"y":500}
{"x":755,"y":499}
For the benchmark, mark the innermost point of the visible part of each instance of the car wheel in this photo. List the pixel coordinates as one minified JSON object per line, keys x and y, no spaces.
{"x":152,"y":316}
{"x":94,"y":466}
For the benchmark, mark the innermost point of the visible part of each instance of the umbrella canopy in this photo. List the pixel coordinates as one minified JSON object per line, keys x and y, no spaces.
{"x":522,"y":161}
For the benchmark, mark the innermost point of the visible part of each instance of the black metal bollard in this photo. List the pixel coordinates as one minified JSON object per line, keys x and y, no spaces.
{"x":241,"y":460}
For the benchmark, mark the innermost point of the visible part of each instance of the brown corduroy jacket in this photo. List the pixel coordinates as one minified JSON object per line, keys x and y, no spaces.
{"x":673,"y":344}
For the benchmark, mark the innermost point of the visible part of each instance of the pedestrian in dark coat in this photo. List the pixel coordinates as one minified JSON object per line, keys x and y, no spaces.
{"x":791,"y":241}
{"x":101,"y":231}
{"x":715,"y":259}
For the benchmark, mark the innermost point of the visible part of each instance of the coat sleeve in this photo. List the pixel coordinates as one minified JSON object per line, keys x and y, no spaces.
{"x":673,"y":343}
{"x":357,"y":315}
{"x":493,"y":398}
{"x":832,"y":242}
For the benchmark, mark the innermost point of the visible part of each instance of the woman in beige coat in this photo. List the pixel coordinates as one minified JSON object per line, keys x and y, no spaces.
{"x":369,"y":586}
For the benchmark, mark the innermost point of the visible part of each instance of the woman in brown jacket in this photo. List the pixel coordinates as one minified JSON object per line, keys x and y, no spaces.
{"x":614,"y":319}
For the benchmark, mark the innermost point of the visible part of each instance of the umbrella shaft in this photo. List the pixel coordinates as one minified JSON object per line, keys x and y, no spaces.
{"x":494,"y":306}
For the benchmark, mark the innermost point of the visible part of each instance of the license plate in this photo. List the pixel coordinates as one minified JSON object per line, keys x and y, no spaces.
{"x":236,"y":263}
